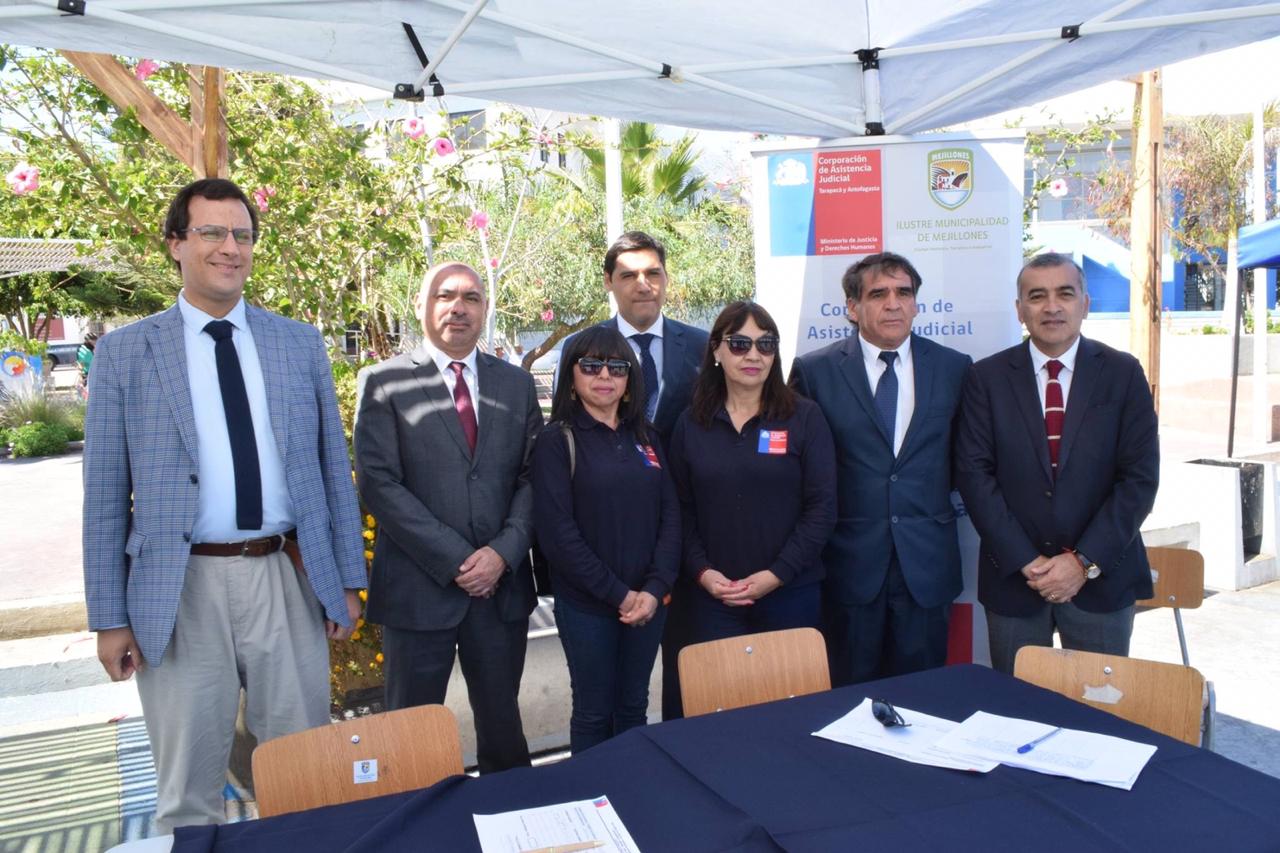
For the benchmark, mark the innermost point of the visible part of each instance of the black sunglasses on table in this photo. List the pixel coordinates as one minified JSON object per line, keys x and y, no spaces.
{"x":886,"y":714}
{"x":741,"y":344}
{"x":592,"y":366}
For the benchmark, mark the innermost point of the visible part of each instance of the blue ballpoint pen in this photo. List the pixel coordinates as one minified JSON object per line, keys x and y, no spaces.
{"x":1027,"y":747}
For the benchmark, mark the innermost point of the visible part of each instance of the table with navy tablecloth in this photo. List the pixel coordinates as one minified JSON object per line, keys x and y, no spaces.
{"x":755,"y":779}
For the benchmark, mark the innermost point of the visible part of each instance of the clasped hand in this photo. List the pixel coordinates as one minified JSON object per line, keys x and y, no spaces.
{"x":479,"y":574}
{"x":741,"y":593}
{"x":637,"y":608}
{"x":1057,"y":579}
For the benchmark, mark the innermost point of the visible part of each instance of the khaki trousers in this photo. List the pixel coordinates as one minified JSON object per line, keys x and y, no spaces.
{"x":250,"y":622}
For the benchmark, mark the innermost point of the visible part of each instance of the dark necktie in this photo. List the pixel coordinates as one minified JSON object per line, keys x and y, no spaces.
{"x":462,"y":403}
{"x":244,"y":447}
{"x":649,"y":368}
{"x":1055,"y":412}
{"x":887,"y":393}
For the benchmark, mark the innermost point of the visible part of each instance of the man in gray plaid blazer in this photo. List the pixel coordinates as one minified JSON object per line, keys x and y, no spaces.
{"x":221,"y":530}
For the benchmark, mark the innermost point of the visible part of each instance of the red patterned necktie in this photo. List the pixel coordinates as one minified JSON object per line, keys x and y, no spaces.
{"x":1055,"y":412}
{"x":467,"y":411}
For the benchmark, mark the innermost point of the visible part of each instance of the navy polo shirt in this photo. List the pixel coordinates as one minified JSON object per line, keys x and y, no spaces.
{"x":762,"y":498}
{"x":614,"y":526}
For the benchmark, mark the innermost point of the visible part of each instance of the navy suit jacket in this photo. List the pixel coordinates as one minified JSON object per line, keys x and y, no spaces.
{"x":889,"y":503}
{"x":1108,"y":471}
{"x":682,"y":350}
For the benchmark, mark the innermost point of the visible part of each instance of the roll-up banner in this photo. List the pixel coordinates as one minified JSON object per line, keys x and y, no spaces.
{"x":950,"y":203}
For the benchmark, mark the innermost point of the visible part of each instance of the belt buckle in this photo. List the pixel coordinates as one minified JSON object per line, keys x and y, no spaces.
{"x":279,"y":547}
{"x":244,"y":547}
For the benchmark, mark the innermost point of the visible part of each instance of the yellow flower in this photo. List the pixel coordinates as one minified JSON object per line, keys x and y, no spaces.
{"x":378,"y":657}
{"x":368,"y":555}
{"x":359,"y":623}
{"x":355,"y":635}
{"x":368,"y":534}
{"x":364,"y":595}
{"x":370,"y":522}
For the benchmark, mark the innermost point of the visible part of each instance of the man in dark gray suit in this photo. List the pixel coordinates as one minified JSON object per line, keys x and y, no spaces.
{"x":443,"y":437}
{"x":635,"y":272}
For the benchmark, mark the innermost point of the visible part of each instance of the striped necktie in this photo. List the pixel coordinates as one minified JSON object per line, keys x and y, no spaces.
{"x":1055,"y":411}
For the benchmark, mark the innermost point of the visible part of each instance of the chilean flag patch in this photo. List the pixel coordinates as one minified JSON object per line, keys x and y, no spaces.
{"x":773,"y":441}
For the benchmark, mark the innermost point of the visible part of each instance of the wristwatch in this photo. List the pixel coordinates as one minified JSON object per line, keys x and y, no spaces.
{"x":1091,"y":569}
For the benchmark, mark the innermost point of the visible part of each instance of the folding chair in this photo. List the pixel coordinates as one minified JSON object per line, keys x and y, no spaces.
{"x":1165,"y":697}
{"x":1177,"y":575}
{"x":357,"y":759}
{"x":751,"y":669}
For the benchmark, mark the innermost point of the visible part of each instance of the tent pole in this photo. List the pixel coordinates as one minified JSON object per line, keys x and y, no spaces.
{"x":1235,"y":365}
{"x":449,"y":43}
{"x":332,"y":72}
{"x":1261,"y":311}
{"x":1145,"y":226}
{"x":659,"y":69}
{"x":995,"y":73}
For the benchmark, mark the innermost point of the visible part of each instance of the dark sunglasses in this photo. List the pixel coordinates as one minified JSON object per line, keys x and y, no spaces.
{"x":618,"y":367}
{"x":886,"y":714}
{"x":218,"y":233}
{"x":741,"y":344}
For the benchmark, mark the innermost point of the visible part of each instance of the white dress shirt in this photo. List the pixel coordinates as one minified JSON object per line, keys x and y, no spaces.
{"x":443,"y":360}
{"x":905,"y":371}
{"x":1068,"y":359}
{"x":655,"y":345}
{"x":216,"y":508}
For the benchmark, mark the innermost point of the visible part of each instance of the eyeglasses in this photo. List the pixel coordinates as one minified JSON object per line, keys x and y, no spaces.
{"x":218,"y":233}
{"x":886,"y":714}
{"x":618,"y":367}
{"x":741,"y":344}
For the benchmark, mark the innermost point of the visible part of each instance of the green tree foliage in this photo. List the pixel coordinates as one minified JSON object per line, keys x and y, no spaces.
{"x":650,"y":167}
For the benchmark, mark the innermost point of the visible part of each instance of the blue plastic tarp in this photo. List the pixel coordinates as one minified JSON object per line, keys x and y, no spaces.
{"x":1259,"y":245}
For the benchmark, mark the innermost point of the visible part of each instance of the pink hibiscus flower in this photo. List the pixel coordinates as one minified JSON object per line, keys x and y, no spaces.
{"x":23,"y":178}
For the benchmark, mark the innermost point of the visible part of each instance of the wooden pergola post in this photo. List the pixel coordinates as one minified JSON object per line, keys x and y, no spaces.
{"x":201,"y":144}
{"x":1146,"y":239}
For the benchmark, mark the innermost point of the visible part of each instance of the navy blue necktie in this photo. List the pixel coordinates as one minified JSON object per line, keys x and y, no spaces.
{"x":244,"y":447}
{"x":887,"y":393}
{"x":650,"y":370}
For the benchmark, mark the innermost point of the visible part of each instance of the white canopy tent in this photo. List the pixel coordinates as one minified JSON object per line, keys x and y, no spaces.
{"x":815,"y":67}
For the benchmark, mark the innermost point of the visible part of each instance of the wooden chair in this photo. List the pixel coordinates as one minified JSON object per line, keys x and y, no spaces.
{"x":1177,"y":575}
{"x":1165,"y":697}
{"x":751,"y":669}
{"x":412,"y":748}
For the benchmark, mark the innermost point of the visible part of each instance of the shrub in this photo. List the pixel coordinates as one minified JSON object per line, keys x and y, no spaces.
{"x":6,"y":436}
{"x":39,"y":440}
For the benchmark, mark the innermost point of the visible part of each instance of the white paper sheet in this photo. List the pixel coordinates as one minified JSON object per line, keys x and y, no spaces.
{"x":1086,"y":756}
{"x":559,"y":824}
{"x":912,"y":743}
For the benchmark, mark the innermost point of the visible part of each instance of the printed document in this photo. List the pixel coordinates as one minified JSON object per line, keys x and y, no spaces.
{"x":1086,"y":756}
{"x":584,"y":825}
{"x":912,"y":743}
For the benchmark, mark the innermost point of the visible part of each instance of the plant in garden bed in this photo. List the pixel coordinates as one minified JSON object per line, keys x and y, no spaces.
{"x":39,"y":440}
{"x":356,"y":663}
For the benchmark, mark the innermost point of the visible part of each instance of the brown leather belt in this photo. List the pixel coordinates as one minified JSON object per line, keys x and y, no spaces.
{"x":249,"y":547}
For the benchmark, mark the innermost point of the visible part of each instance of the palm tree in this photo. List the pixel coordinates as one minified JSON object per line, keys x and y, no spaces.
{"x":652,"y":167}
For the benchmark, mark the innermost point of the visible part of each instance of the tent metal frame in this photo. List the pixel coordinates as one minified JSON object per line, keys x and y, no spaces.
{"x":124,"y":12}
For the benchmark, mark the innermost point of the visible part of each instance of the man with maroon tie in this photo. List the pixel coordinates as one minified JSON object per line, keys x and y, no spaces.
{"x":1058,"y":460}
{"x":443,"y":438}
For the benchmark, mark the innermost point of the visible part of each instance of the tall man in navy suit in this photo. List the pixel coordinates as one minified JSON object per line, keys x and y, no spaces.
{"x":890,"y":397}
{"x":635,"y":272}
{"x":1058,"y":460}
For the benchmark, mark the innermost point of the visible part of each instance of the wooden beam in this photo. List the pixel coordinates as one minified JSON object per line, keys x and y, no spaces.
{"x":127,"y":92}
{"x":1145,"y":231}
{"x":208,"y":127}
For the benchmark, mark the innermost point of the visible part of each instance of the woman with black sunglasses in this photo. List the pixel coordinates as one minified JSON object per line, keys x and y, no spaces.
{"x":754,"y":465}
{"x":607,"y":518}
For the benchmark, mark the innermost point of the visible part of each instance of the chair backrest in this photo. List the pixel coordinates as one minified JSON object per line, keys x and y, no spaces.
{"x":751,"y":669}
{"x":1177,"y":574}
{"x":357,"y":759}
{"x":1166,"y":697}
